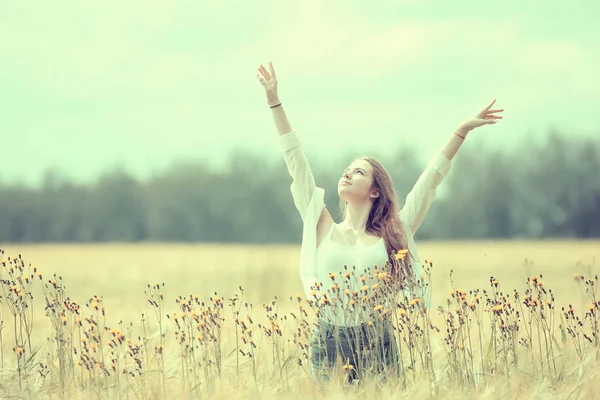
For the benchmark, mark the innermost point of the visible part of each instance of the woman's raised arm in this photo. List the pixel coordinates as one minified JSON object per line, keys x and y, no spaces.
{"x":420,"y":198}
{"x":303,"y":181}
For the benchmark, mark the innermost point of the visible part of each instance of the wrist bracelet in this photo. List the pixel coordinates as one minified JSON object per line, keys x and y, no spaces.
{"x":276,"y":105}
{"x":462,"y":137}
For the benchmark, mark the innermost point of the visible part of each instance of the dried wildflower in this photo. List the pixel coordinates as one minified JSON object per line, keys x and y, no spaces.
{"x":401,"y":254}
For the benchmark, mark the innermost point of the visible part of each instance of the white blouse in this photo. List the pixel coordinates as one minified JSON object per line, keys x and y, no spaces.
{"x":339,"y":271}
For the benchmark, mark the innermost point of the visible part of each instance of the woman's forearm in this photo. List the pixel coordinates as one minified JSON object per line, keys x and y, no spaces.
{"x":453,"y":144}
{"x":281,"y":120}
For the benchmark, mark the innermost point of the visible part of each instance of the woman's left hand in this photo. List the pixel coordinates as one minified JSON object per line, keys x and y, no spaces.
{"x":484,"y":117}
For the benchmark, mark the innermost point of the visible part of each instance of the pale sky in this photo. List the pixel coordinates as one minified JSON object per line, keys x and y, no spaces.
{"x":85,"y":86}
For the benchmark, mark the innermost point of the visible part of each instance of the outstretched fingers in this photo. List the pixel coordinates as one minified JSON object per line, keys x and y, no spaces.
{"x":487,"y":108}
{"x":264,"y":72}
{"x":491,"y":116}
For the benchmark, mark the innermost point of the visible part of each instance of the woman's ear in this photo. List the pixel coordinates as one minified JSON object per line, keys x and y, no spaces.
{"x":374,"y":193}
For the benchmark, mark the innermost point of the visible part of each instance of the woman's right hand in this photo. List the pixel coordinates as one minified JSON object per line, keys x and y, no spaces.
{"x":269,"y":82}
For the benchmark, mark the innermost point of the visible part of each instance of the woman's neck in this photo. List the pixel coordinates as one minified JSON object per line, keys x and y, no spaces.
{"x":356,"y":217}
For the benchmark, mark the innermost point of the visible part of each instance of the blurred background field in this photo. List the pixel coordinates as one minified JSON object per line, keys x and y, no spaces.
{"x":120,"y":273}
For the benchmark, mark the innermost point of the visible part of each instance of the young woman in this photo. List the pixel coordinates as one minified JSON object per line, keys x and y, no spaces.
{"x":354,"y":269}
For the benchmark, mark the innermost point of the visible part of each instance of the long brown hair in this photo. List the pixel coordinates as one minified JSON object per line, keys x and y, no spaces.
{"x":384,"y":221}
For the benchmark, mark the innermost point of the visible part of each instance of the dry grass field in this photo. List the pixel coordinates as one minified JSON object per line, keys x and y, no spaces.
{"x":83,"y":335}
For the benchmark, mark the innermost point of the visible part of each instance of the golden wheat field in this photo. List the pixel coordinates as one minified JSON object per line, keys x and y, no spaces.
{"x":222,"y":321}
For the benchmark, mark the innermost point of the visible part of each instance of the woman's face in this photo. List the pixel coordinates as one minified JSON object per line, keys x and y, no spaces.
{"x":356,"y":182}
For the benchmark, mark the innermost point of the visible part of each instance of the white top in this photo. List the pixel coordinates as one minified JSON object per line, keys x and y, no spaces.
{"x":309,"y":201}
{"x":339,"y":270}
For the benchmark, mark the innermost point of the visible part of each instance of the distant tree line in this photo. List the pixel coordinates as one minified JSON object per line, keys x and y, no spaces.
{"x":542,"y":190}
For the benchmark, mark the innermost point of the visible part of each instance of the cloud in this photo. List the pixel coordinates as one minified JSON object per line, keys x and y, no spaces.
{"x":158,"y":78}
{"x":84,"y":51}
{"x":330,"y":41}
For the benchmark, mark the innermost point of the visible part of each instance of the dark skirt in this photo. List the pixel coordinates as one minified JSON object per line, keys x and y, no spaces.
{"x":355,"y":352}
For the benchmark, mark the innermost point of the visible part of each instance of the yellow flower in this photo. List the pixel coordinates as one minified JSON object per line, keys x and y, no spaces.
{"x":401,"y":254}
{"x":348,"y":367}
{"x":497,"y":309}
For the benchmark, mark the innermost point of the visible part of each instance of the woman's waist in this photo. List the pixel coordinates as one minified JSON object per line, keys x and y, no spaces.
{"x":354,"y":327}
